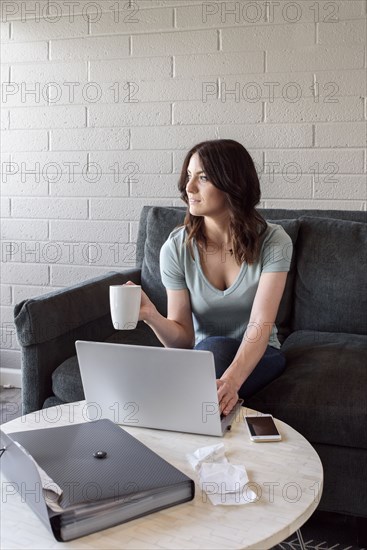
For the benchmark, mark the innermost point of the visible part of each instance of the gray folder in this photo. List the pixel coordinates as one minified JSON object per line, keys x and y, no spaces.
{"x":128,"y":482}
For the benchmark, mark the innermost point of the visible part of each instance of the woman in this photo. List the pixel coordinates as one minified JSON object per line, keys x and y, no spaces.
{"x":224,"y":271}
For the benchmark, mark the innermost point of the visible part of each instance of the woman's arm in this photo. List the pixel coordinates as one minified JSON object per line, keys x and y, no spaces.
{"x":255,"y":341}
{"x":177,"y":331}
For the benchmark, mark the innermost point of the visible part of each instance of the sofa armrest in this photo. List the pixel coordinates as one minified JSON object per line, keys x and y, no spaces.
{"x":47,"y":328}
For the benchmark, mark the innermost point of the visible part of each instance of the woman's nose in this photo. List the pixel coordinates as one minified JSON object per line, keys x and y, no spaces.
{"x":190,"y":186}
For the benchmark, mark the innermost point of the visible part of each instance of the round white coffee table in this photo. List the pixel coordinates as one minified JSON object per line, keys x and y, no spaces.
{"x":287,"y":477}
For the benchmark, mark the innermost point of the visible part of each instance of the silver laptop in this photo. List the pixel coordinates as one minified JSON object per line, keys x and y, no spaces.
{"x":152,"y":387}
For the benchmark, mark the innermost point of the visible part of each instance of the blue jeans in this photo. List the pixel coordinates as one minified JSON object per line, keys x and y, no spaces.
{"x":224,"y":349}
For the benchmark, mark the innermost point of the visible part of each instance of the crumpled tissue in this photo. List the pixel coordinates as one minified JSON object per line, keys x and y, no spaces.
{"x":224,"y":483}
{"x":213,"y":453}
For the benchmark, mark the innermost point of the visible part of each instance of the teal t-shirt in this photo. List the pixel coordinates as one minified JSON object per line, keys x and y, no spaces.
{"x":223,"y":312}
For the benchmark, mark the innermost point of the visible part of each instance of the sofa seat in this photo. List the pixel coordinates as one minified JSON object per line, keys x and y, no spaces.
{"x":322,"y":392}
{"x":66,"y":380}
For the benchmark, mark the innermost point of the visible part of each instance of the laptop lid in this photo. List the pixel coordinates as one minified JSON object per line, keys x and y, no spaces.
{"x":151,"y":387}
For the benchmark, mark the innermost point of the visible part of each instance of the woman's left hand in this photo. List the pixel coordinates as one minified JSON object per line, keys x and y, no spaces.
{"x":227,"y":394}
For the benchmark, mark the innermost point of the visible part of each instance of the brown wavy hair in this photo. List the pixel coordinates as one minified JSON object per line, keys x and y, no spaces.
{"x":230,"y":168}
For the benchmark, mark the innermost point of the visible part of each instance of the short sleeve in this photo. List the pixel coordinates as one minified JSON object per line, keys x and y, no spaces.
{"x":277,"y":251}
{"x":172,"y":271}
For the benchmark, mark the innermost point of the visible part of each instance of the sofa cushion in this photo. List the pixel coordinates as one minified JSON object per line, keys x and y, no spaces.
{"x":67,"y":384}
{"x":284,"y":315}
{"x":160,"y":223}
{"x":66,"y":381}
{"x":52,"y":401}
{"x":322,"y":392}
{"x":330,"y":290}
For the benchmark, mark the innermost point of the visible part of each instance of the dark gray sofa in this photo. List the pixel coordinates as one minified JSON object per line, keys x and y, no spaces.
{"x":321,"y":322}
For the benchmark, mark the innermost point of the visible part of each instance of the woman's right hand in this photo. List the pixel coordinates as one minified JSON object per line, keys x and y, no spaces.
{"x":147,"y":308}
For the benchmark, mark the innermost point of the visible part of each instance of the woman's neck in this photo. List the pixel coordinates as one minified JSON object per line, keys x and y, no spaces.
{"x":217,"y":231}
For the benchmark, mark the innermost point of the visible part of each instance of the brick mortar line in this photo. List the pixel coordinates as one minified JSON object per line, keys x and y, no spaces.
{"x":182,"y":30}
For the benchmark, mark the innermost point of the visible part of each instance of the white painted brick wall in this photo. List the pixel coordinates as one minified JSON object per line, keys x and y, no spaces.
{"x":90,"y":138}
{"x":131,"y":21}
{"x":23,"y":140}
{"x":68,"y":275}
{"x":343,"y":83}
{"x":130,"y":114}
{"x":315,"y":161}
{"x":50,"y":208}
{"x":133,"y":162}
{"x":341,"y":134}
{"x":90,"y":231}
{"x":257,"y":156}
{"x":19,"y":185}
{"x":315,"y":109}
{"x":273,"y":186}
{"x":8,"y":337}
{"x":4,"y":32}
{"x":46,"y":72}
{"x":177,"y":137}
{"x":121,"y":209}
{"x":72,"y":116}
{"x":107,"y":185}
{"x":27,"y":30}
{"x":5,"y":207}
{"x":130,"y":69}
{"x":253,"y":88}
{"x":4,"y":119}
{"x":269,"y":135}
{"x":217,"y":64}
{"x":101,"y":105}
{"x":266,"y":37}
{"x":14,"y":52}
{"x":195,"y":112}
{"x":317,"y":58}
{"x":5,"y":293}
{"x":181,"y":89}
{"x":89,"y":48}
{"x":346,"y":32}
{"x":155,"y":185}
{"x":174,"y":43}
{"x":30,"y":230}
{"x":24,"y":273}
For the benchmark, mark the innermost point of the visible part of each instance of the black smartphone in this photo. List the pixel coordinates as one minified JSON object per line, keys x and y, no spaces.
{"x":262,"y":428}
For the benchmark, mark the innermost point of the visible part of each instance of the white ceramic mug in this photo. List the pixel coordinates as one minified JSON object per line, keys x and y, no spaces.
{"x":125,"y":306}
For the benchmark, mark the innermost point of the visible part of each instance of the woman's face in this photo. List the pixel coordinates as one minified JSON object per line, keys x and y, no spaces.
{"x":204,"y":198}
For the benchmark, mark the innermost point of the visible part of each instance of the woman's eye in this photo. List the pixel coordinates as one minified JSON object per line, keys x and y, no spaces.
{"x":203,"y":178}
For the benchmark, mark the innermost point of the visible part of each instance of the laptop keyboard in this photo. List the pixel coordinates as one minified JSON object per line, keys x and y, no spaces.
{"x":222,"y":416}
